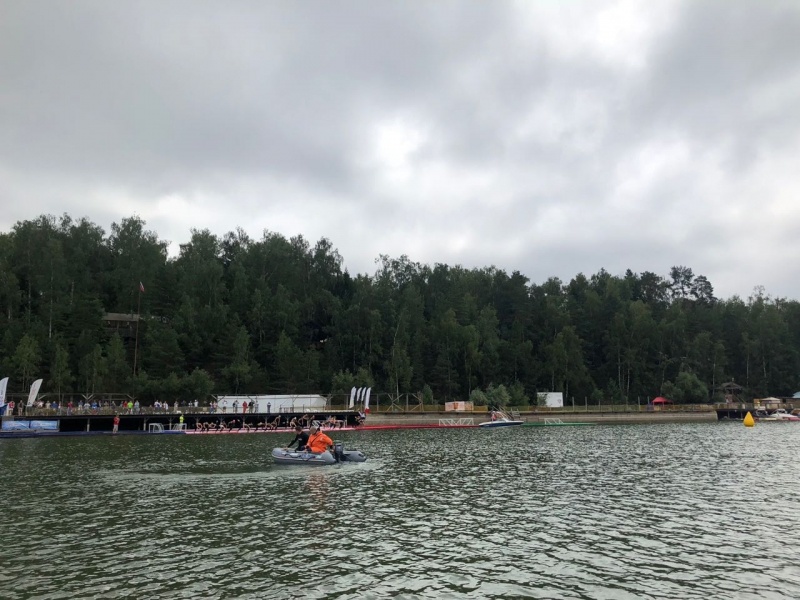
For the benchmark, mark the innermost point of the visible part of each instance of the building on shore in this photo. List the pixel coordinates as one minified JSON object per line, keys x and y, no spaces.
{"x":278,"y":403}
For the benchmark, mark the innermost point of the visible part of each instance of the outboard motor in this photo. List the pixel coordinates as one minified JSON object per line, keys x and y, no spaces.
{"x":338,"y":451}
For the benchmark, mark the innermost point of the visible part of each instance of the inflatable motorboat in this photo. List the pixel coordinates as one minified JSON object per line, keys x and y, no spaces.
{"x":302,"y":457}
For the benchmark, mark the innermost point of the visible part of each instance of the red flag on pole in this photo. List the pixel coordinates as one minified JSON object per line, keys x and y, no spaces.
{"x":141,"y":287}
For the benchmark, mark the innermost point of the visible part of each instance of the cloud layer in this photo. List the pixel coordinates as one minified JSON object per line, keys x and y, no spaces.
{"x":549,"y":138}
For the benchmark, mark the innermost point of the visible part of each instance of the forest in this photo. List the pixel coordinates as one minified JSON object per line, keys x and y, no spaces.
{"x":235,"y":315}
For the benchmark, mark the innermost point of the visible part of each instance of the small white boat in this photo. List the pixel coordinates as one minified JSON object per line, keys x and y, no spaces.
{"x":779,"y":415}
{"x":500,"y":423}
{"x":500,"y":419}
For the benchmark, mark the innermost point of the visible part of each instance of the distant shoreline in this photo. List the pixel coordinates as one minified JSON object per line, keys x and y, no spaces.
{"x":672,"y":416}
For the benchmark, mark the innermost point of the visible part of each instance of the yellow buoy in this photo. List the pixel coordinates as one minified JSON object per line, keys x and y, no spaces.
{"x":749,"y":421}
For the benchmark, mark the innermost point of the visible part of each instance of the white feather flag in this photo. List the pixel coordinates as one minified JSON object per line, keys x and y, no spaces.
{"x":3,"y":386}
{"x":352,"y":397}
{"x":34,"y":391}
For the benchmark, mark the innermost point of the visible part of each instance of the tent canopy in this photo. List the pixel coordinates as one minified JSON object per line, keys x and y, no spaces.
{"x":661,"y":400}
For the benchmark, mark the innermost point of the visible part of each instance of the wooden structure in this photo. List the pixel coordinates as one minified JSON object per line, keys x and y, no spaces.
{"x":731,"y":392}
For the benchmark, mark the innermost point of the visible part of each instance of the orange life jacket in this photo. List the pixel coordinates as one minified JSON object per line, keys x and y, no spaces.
{"x":318,"y":442}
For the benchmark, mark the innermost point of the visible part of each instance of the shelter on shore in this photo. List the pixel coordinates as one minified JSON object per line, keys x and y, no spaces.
{"x":278,"y":403}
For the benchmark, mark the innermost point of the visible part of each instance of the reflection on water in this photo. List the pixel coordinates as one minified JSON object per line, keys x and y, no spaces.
{"x":659,"y":511}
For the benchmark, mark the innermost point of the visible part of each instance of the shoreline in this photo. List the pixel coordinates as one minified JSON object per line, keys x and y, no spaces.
{"x":158,"y":424}
{"x":598,"y":418}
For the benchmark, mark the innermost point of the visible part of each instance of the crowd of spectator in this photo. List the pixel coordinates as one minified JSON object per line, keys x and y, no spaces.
{"x":222,"y":424}
{"x":97,"y":406}
{"x":223,"y":420}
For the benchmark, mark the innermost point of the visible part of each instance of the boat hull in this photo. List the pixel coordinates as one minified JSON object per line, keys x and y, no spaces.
{"x":494,"y":424}
{"x":309,"y":459}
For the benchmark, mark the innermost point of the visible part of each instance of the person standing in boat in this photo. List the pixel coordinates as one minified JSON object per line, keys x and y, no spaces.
{"x":301,"y":437}
{"x":318,"y":442}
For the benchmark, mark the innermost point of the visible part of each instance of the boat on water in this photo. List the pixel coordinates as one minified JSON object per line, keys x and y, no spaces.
{"x":282,"y":456}
{"x":779,"y":415}
{"x":500,"y":419}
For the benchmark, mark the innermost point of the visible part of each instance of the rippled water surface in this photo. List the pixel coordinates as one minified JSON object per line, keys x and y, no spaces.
{"x":646,"y":511}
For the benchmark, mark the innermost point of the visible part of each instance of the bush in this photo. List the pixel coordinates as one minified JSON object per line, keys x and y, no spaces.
{"x":498,"y":396}
{"x":694,"y":390}
{"x":427,"y":395}
{"x":478,"y":397}
{"x":518,"y":395}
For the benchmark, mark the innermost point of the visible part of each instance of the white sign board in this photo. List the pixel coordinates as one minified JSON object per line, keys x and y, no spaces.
{"x":552,"y":399}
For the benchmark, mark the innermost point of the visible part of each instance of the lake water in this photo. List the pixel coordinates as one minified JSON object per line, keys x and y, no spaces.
{"x":639,"y":511}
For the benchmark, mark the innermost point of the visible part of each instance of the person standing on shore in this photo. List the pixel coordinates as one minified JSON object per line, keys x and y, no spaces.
{"x":116,"y":423}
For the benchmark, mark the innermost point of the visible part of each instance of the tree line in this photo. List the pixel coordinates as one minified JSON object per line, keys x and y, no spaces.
{"x":236,"y":315}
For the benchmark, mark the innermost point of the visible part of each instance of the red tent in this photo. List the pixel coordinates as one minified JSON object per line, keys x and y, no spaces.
{"x":661,"y":400}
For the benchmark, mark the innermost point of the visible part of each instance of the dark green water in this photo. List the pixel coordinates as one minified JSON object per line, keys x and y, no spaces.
{"x":647,"y":511}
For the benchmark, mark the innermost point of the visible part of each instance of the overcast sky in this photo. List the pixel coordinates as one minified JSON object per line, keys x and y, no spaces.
{"x":553,"y":138}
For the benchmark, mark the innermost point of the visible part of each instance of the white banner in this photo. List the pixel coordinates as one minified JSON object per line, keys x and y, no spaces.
{"x":34,"y":391}
{"x":3,"y":386}
{"x":366,"y":400}
{"x":352,"y":397}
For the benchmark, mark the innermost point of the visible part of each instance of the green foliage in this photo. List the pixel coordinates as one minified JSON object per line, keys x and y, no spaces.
{"x":279,"y":315}
{"x":27,"y":359}
{"x":478,"y":398}
{"x":287,"y":359}
{"x":597,"y":396}
{"x":342,"y":383}
{"x":517,"y":395}
{"x":118,"y":371}
{"x":60,"y":374}
{"x":241,"y":369}
{"x":160,"y":352}
{"x":92,"y":370}
{"x":197,"y":386}
{"x":364,"y":378}
{"x":669,"y":392}
{"x":687,"y":389}
{"x":692,"y":389}
{"x":498,"y":396}
{"x":427,"y":395}
{"x":613,"y":394}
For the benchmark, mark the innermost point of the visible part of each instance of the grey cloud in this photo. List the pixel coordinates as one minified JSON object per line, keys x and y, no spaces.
{"x":266,"y":114}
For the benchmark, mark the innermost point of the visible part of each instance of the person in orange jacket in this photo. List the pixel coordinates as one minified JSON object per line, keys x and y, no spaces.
{"x":318,"y":441}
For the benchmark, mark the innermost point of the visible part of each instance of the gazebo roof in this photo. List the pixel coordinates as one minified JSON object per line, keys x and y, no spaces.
{"x":730,"y":385}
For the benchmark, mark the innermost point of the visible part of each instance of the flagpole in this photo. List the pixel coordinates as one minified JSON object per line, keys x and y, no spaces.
{"x":136,"y":341}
